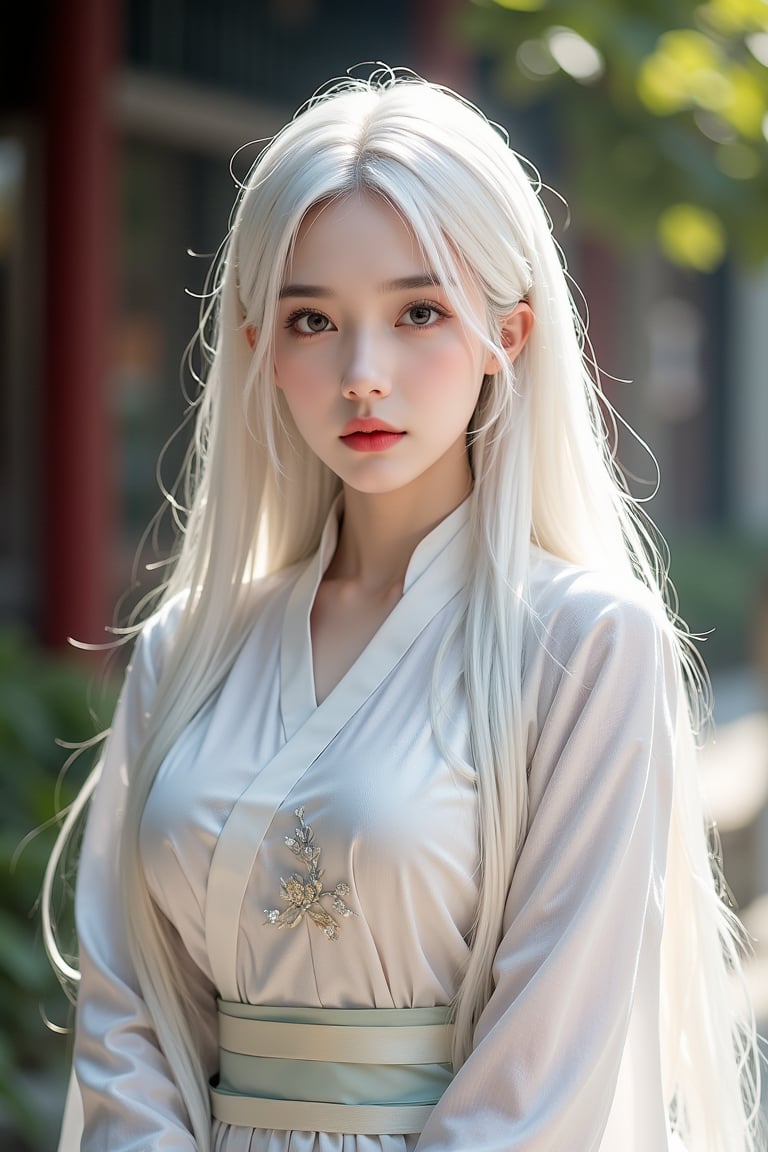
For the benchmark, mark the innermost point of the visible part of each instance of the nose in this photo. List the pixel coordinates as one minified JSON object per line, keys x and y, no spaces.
{"x":365,"y":372}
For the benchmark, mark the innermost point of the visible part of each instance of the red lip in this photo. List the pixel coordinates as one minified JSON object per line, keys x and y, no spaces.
{"x":372,"y":441}
{"x":368,"y":424}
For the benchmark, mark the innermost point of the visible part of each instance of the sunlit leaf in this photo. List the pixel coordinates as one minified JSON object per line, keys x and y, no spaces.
{"x":684,"y":69}
{"x":745,"y":106}
{"x":521,"y":5}
{"x":679,"y":115}
{"x":661,"y":87}
{"x":692,"y":236}
{"x":735,"y":16}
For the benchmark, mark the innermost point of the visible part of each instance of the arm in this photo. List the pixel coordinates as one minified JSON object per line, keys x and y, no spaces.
{"x":585,"y":899}
{"x":129,"y":1098}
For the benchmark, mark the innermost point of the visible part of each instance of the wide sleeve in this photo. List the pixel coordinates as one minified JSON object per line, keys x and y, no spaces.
{"x":130,"y":1102}
{"x":585,"y":900}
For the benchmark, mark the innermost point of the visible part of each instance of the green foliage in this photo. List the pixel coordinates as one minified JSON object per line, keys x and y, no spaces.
{"x":661,"y":110}
{"x":43,"y":700}
{"x":717,"y":576}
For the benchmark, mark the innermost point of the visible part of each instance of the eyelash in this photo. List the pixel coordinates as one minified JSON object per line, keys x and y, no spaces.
{"x":291,"y":320}
{"x":432,"y":306}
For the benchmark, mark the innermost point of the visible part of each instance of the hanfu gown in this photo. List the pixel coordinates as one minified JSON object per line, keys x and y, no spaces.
{"x":567,"y":1053}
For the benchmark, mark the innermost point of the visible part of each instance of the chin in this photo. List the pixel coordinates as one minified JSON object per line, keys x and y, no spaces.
{"x":373,"y":488}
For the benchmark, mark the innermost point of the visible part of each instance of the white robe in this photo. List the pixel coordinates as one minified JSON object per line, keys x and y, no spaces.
{"x":567,"y":1052}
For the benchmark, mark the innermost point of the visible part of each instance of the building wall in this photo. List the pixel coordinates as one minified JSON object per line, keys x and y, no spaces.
{"x":182,"y":87}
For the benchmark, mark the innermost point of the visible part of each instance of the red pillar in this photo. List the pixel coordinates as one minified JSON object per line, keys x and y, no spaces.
{"x":437,"y":45}
{"x":601,"y":282}
{"x":80,"y":247}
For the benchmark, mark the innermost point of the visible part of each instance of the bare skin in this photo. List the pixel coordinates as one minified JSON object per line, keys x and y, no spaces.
{"x":365,"y":578}
{"x":344,"y":620}
{"x":365,"y":332}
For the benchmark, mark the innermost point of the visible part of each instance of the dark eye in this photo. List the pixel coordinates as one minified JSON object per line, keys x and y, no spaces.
{"x":420,"y":314}
{"x":312,"y":323}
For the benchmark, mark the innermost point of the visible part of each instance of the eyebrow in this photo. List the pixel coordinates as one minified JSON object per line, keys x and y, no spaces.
{"x":403,"y":283}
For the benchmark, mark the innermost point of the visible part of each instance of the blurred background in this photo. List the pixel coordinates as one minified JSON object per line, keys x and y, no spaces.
{"x":122,"y":133}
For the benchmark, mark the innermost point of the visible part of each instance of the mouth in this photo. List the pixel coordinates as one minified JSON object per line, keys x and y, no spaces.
{"x":369,"y":434}
{"x":377,"y":440}
{"x":368,"y":424}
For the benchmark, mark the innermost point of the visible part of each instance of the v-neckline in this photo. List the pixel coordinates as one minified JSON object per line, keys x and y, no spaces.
{"x":298,"y":698}
{"x":436,"y":574}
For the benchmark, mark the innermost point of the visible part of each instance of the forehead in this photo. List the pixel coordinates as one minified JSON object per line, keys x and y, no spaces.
{"x":353,"y":232}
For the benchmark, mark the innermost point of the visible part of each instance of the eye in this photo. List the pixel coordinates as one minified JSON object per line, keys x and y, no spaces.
{"x":308,"y":323}
{"x":422,"y":315}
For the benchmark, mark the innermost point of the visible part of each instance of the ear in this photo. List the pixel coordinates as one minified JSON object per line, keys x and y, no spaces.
{"x":515,"y":330}
{"x":252,"y":335}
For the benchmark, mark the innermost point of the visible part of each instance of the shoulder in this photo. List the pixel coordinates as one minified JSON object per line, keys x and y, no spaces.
{"x":155,"y":640}
{"x":600,"y":656}
{"x":580,"y":617}
{"x":572,"y":602}
{"x":155,"y":636}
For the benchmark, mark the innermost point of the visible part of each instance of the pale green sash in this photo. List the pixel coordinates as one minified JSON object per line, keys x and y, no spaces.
{"x":362,"y":1071}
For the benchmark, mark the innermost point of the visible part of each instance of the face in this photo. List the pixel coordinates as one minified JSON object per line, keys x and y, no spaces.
{"x":377,"y":369}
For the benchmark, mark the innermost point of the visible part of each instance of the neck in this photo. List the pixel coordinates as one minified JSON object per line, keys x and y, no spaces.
{"x":380,"y":531}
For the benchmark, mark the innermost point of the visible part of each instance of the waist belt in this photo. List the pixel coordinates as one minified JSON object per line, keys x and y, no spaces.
{"x":359,"y":1071}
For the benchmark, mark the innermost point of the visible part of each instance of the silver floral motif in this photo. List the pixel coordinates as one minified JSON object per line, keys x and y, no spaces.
{"x":303,"y":894}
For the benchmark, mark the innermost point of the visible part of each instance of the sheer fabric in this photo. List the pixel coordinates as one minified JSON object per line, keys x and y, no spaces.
{"x":566,"y":1054}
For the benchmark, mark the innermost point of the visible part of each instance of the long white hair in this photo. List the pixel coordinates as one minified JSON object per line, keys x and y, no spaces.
{"x":256,"y":499}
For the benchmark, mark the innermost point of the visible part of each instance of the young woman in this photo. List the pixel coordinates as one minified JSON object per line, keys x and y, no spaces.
{"x":395,"y":841}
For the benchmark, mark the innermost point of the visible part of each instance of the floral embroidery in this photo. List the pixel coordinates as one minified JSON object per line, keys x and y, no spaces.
{"x":303,"y":894}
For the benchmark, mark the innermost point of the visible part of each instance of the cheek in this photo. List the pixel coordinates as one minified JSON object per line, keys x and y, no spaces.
{"x":451,"y":374}
{"x":294,"y":376}
{"x":310,"y":403}
{"x":284,"y":368}
{"x":303,"y":401}
{"x":304,"y":367}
